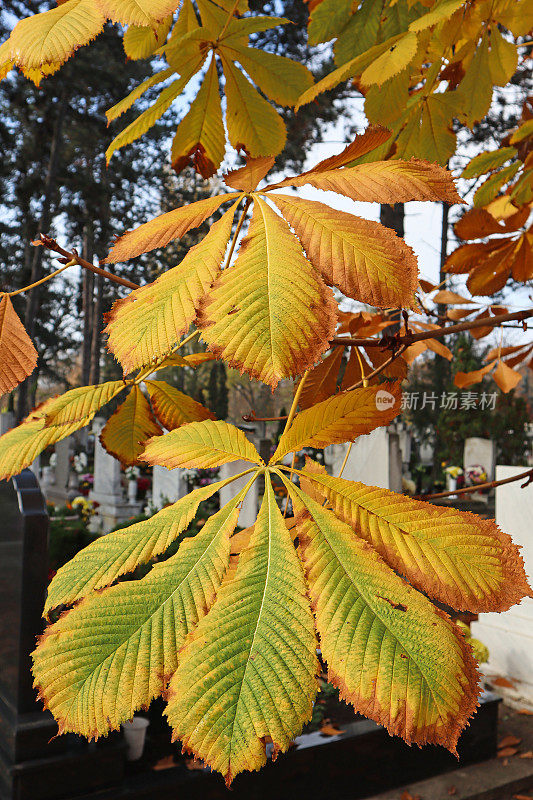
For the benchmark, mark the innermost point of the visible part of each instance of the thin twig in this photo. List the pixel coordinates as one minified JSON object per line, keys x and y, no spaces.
{"x":528,"y":474}
{"x":292,"y":412}
{"x":252,"y":418}
{"x":348,"y":451}
{"x":377,"y":371}
{"x":437,"y":333}
{"x":51,"y":244}
{"x":43,"y":280}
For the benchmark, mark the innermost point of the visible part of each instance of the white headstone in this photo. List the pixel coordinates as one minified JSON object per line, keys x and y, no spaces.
{"x":107,"y":488}
{"x":168,"y":485}
{"x":482,"y":452}
{"x":248,"y":513}
{"x":62,"y":465}
{"x":509,"y":636}
{"x":375,"y":459}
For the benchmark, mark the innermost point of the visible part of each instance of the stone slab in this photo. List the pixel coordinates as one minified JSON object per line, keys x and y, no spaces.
{"x":495,"y":779}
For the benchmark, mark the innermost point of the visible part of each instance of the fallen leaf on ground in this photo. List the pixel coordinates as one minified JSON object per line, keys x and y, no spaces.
{"x":527,"y":754}
{"x":502,"y":682}
{"x":525,"y":711}
{"x":452,"y":790}
{"x":194,"y":764}
{"x":522,"y":797}
{"x":330,"y":730}
{"x":407,"y":796}
{"x":164,"y":763}
{"x":509,"y":741}
{"x":505,"y":752}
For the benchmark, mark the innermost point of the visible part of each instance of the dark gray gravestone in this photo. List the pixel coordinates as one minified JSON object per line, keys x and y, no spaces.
{"x":31,"y":766}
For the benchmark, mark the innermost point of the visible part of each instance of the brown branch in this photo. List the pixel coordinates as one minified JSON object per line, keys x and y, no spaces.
{"x":528,"y":474}
{"x":252,"y":418}
{"x":51,"y":244}
{"x":377,"y":371}
{"x":437,"y":333}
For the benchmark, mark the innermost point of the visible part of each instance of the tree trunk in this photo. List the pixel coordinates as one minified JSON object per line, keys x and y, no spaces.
{"x":96,"y":344}
{"x":394,"y":217}
{"x":36,"y":272}
{"x":87,"y":304}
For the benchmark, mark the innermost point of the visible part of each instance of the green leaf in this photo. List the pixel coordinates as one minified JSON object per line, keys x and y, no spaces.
{"x":201,"y":445}
{"x":393,"y":655}
{"x":249,"y":670}
{"x":341,"y":418}
{"x":456,"y":557}
{"x":120,"y":552}
{"x":115,"y":651}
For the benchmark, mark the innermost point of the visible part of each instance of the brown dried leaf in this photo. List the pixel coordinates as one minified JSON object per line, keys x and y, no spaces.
{"x":18,"y":356}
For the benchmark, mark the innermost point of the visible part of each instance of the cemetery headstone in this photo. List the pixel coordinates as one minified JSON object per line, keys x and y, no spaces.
{"x":168,"y":485}
{"x":374,"y":459}
{"x":482,"y":452}
{"x":508,"y":635}
{"x":248,"y":513}
{"x":107,"y":490}
{"x":31,"y":766}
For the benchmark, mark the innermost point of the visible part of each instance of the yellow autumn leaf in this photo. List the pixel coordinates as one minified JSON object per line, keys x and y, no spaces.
{"x":137,"y":12}
{"x":281,"y":79}
{"x":200,"y":135}
{"x":392,"y":61}
{"x":161,"y":230}
{"x":202,"y":445}
{"x":393,"y":655}
{"x":18,"y":356}
{"x":79,"y":403}
{"x":150,"y":116}
{"x":353,"y":67}
{"x":120,"y":552}
{"x":461,"y":560}
{"x":173,"y":408}
{"x":383,"y":182}
{"x":269,"y":315}
{"x":150,"y":320}
{"x":321,"y":381}
{"x":53,"y":36}
{"x":253,"y":125}
{"x":20,"y":446}
{"x":259,"y":680}
{"x":126,"y":103}
{"x":341,"y":418}
{"x":142,"y":42}
{"x":84,"y":661}
{"x":363,"y":259}
{"x":132,"y":424}
{"x":246,"y":178}
{"x":506,"y":377}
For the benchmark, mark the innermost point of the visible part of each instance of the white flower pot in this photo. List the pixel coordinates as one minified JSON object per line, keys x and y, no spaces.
{"x":135,"y":735}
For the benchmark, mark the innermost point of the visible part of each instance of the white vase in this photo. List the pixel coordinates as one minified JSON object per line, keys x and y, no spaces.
{"x":132,"y":490}
{"x":135,"y":735}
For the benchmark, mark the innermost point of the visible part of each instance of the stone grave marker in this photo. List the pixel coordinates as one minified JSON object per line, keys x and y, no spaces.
{"x":107,"y":489}
{"x":31,"y":766}
{"x":509,"y":636}
{"x":482,"y":452}
{"x":248,"y":513}
{"x":375,"y":459}
{"x":168,"y":485}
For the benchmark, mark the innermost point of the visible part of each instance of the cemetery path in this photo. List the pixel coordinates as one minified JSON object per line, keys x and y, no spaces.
{"x":506,"y":777}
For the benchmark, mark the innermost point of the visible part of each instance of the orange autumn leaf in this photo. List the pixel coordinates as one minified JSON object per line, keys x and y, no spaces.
{"x":18,"y":356}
